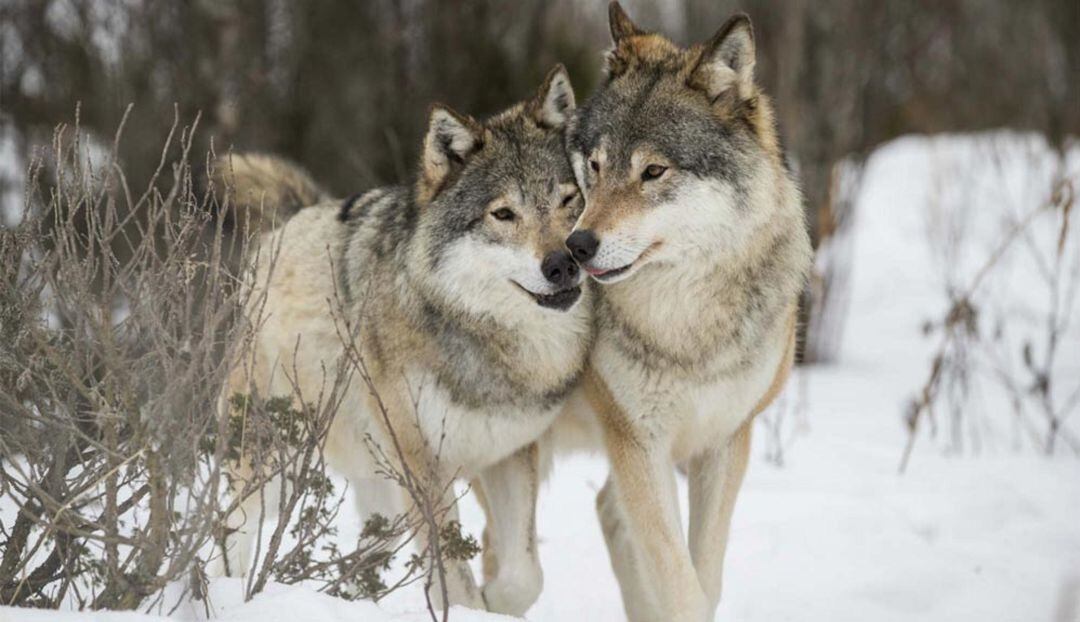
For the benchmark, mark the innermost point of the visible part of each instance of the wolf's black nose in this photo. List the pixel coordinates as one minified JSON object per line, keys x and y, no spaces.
{"x":582,"y":244}
{"x":559,"y":268}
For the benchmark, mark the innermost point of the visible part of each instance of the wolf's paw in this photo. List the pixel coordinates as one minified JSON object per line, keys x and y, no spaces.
{"x":461,"y":588}
{"x":512,"y":593}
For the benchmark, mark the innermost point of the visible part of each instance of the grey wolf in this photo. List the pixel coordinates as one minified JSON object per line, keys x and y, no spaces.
{"x":473,"y":321}
{"x":694,"y":228}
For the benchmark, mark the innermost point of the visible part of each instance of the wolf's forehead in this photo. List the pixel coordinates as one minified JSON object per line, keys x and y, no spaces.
{"x":624,"y":104}
{"x":651,"y":111}
{"x":533,"y":165}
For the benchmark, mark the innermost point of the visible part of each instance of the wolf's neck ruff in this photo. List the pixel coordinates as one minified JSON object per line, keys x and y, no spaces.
{"x":703,"y":319}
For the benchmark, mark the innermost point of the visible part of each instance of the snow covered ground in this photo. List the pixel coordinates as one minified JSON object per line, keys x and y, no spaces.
{"x":989,"y":532}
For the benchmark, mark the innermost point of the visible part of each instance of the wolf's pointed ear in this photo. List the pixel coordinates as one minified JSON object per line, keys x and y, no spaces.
{"x":451,"y":138}
{"x":727,"y":60}
{"x":554,"y":101}
{"x":617,"y":59}
{"x":621,"y":26}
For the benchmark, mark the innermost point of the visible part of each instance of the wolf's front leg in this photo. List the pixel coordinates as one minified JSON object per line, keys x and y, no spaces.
{"x":715,"y":477}
{"x":644,"y":491}
{"x":507,"y":491}
{"x":625,"y":557}
{"x":394,"y":410}
{"x":461,"y":588}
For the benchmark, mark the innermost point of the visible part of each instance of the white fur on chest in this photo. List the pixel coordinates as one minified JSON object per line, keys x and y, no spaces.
{"x":686,"y":415}
{"x":720,"y":407}
{"x":466,"y":439}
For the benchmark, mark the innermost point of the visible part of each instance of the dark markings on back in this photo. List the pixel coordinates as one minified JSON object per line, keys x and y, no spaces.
{"x":346,"y":206}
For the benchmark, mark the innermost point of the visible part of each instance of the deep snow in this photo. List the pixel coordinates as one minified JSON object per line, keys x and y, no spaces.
{"x":836,"y":533}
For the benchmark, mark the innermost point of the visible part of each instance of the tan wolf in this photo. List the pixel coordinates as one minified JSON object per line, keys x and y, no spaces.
{"x":694,"y":227}
{"x":473,"y":321}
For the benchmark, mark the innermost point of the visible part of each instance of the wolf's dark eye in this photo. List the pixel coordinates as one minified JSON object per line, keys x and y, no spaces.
{"x":652,"y":171}
{"x":504,"y":214}
{"x":595,"y":165}
{"x":568,"y":199}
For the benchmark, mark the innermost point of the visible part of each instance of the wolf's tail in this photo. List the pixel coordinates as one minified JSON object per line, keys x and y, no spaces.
{"x":262,"y":191}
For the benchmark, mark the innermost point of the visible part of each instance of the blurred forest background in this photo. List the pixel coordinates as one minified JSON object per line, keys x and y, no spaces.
{"x":342,"y":87}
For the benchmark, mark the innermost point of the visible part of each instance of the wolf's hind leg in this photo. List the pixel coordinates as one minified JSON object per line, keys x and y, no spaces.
{"x":507,"y":492}
{"x":715,"y":478}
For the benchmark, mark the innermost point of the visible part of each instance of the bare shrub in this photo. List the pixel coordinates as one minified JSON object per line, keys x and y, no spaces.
{"x":110,"y":367}
{"x":120,"y":309}
{"x":994,"y":349}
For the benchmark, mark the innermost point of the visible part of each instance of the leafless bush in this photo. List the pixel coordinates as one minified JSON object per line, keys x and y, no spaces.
{"x":111,"y":359}
{"x":119,"y":312}
{"x":1014,"y":353}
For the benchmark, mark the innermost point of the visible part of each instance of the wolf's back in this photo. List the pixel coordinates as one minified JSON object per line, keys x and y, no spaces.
{"x":262,"y":191}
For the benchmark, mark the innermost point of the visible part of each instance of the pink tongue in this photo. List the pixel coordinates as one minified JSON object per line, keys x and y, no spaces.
{"x":595,"y":272}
